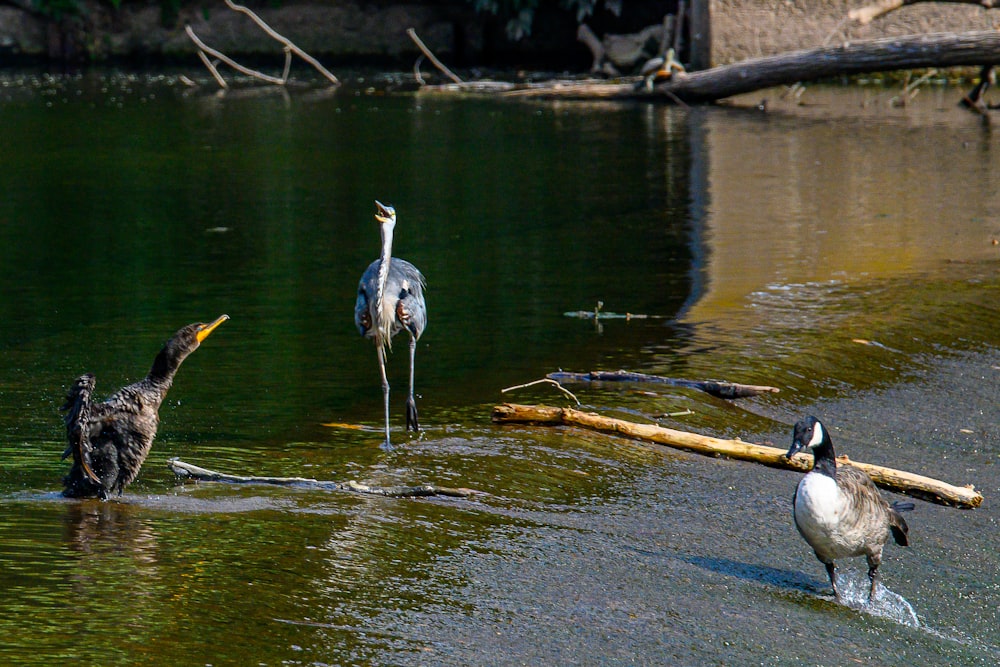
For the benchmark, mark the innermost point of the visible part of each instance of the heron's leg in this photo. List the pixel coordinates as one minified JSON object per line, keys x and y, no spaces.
{"x":411,"y":403}
{"x":385,"y":394}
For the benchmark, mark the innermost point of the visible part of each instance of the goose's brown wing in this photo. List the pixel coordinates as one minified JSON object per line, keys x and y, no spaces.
{"x":870,"y":504}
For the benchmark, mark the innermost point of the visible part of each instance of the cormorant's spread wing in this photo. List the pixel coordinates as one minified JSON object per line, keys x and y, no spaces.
{"x":78,"y":410}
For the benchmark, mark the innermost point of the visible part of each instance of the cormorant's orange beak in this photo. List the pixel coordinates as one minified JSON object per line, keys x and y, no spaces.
{"x":206,"y":329}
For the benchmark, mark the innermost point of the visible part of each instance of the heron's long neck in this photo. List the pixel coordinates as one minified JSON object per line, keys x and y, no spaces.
{"x":383,"y":305}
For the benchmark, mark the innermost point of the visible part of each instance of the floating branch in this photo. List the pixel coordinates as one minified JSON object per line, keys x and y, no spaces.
{"x":189,"y":471}
{"x":289,"y":48}
{"x":717,"y":389}
{"x":918,"y":486}
{"x":599,"y":314}
{"x":542,"y":381}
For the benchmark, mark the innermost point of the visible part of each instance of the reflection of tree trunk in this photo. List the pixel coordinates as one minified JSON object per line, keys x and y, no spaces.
{"x":889,"y":478}
{"x":859,"y":57}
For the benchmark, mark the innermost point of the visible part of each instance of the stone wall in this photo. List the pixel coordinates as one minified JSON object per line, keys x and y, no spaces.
{"x":751,"y":28}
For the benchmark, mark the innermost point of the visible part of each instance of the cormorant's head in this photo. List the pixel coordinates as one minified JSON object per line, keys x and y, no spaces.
{"x":808,"y":433}
{"x":181,"y":344}
{"x":384,"y":215}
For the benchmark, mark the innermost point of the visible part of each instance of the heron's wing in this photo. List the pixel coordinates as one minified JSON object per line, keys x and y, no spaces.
{"x":411,"y":309}
{"x":367,"y":287}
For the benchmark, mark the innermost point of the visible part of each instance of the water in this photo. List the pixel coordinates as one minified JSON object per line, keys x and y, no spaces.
{"x":841,"y":251}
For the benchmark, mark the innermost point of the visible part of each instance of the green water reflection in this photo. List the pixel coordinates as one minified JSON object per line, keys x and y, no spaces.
{"x":132,"y":207}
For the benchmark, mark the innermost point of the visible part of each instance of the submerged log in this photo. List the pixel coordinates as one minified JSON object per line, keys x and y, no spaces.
{"x":900,"y":481}
{"x":859,"y":57}
{"x":190,"y":471}
{"x":717,"y":389}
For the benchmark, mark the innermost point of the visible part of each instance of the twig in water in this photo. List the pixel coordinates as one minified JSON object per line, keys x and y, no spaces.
{"x":190,"y":471}
{"x":547,"y":381}
{"x":430,"y":56}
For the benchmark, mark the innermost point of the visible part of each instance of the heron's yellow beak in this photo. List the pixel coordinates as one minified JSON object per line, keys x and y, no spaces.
{"x":206,"y":329}
{"x":384,"y":213}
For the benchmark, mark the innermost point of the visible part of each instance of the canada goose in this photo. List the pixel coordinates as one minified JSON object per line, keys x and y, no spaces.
{"x":839,"y":511}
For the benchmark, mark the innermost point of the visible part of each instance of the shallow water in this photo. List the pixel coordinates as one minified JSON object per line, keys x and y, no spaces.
{"x":841,"y":251}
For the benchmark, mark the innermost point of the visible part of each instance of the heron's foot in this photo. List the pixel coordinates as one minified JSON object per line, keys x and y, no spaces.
{"x":386,"y":446}
{"x":411,"y":415}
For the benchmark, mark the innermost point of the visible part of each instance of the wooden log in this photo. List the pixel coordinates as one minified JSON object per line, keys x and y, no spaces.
{"x":190,"y":471}
{"x":717,"y":389}
{"x":859,"y":57}
{"x":900,"y":481}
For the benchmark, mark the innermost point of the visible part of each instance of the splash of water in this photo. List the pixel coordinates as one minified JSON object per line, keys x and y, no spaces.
{"x":854,"y":588}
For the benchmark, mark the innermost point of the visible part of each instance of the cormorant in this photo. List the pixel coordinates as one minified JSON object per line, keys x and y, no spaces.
{"x":109,"y":441}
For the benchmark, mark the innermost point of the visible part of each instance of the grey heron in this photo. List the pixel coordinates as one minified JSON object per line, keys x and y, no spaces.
{"x":390,"y":299}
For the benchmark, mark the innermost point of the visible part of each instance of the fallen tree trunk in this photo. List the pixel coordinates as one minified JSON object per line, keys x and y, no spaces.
{"x":859,"y":57}
{"x":900,"y":481}
{"x":190,"y":471}
{"x":717,"y":389}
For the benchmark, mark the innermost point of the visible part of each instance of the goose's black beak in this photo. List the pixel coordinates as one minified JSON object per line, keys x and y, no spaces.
{"x":797,"y":446}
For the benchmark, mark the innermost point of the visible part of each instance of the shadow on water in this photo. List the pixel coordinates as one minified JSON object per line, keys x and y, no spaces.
{"x":786,"y":579}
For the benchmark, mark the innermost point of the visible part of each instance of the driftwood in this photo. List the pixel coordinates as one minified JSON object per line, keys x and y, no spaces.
{"x":867,"y":14}
{"x":900,"y":481}
{"x":717,"y":389}
{"x":966,"y":49}
{"x":189,"y":471}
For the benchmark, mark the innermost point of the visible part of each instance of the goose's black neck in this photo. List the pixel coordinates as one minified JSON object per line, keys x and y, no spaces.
{"x":824,"y":460}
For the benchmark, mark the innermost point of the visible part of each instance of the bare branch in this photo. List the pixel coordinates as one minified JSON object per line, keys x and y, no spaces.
{"x":430,"y":56}
{"x":213,"y":69}
{"x":547,"y":381}
{"x":190,"y":471}
{"x":229,"y":61}
{"x":284,"y":40}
